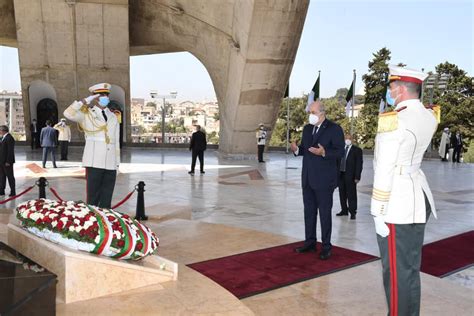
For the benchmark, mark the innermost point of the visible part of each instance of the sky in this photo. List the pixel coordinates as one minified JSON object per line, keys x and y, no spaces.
{"x":338,"y":36}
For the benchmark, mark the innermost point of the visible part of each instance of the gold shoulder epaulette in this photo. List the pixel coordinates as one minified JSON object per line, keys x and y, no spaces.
{"x":437,"y":112}
{"x":118,"y":114}
{"x":387,"y":122}
{"x":84,"y":109}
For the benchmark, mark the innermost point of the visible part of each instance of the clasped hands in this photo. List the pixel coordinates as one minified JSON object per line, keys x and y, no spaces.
{"x":318,"y":151}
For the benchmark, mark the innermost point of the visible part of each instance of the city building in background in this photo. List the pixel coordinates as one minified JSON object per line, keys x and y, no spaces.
{"x":11,"y":113}
{"x":180,"y":119}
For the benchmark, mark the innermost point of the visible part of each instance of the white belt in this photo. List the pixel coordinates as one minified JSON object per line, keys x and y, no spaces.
{"x":404,"y":170}
{"x":97,"y":138}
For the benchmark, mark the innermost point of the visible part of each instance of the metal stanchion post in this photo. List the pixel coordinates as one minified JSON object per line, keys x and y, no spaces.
{"x":42,"y":183}
{"x":140,"y":211}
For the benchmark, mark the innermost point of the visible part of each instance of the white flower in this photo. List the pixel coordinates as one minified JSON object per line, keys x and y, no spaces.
{"x":71,"y":228}
{"x":78,"y":229}
{"x":76,"y":221}
{"x":34,"y":216}
{"x":97,"y":239}
{"x":54,"y":223}
{"x":67,"y":212}
{"x":53,"y":215}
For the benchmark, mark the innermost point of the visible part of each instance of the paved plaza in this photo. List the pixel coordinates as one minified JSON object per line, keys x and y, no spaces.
{"x":242,"y":205}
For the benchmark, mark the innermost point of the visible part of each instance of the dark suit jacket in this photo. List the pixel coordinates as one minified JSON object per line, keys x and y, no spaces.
{"x":321,"y":172}
{"x":198,"y":141}
{"x":7,"y":150}
{"x":48,"y":137}
{"x":354,"y":163}
{"x":454,"y":141}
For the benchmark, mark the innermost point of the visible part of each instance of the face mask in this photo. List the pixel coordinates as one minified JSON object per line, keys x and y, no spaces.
{"x":104,"y":101}
{"x":348,"y":142}
{"x":390,"y":101}
{"x":313,"y":119}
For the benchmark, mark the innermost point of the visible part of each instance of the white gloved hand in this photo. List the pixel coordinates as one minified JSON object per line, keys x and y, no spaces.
{"x":380,"y":227}
{"x":91,"y":97}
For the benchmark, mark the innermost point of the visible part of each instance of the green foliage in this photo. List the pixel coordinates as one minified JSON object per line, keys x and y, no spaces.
{"x":468,"y":156}
{"x":298,"y":118}
{"x":375,"y":81}
{"x":457,"y":102}
{"x":213,"y":138}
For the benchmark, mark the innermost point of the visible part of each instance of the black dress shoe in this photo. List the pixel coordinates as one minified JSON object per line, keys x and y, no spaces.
{"x":325,"y":254}
{"x":12,"y":194}
{"x":342,"y":213}
{"x":191,"y":173}
{"x":203,"y":172}
{"x":306,"y":248}
{"x":353,"y":216}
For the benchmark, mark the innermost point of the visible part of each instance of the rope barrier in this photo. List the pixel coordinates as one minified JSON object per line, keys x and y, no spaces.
{"x":55,"y":193}
{"x":124,"y":200}
{"x":18,"y":195}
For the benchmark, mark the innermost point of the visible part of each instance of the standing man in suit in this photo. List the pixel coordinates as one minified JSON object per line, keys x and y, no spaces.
{"x":401,"y":200}
{"x":456,"y":144}
{"x":322,"y":147}
{"x":7,"y":159}
{"x":34,"y":134}
{"x":48,"y":142}
{"x":197,"y":146}
{"x":101,"y":156}
{"x":349,"y":175}
{"x":64,"y":137}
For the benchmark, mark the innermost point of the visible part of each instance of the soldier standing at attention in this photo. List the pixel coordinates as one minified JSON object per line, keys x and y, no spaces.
{"x":101,"y":156}
{"x":261,"y":139}
{"x":402,"y":201}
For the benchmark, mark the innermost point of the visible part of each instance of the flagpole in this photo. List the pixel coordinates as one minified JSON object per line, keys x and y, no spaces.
{"x":319,"y":90}
{"x":353,"y":102}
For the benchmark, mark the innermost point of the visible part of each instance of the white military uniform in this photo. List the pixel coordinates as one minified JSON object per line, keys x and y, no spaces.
{"x":399,"y":205}
{"x":102,"y":148}
{"x":399,"y":182}
{"x":261,"y":137}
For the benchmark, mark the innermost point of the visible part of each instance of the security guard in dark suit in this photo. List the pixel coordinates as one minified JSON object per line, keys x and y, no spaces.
{"x":350,"y":172}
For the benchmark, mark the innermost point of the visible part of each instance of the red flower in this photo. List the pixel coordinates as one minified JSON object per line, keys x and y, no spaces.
{"x":120,"y":243}
{"x":82,"y":232}
{"x":110,"y":218}
{"x":38,"y":221}
{"x":139,"y":246}
{"x":60,"y":225}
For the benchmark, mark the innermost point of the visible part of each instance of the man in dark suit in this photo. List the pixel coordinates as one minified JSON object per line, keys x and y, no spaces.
{"x":35,"y":131}
{"x":350,"y":170}
{"x":7,"y":159}
{"x":456,"y":144}
{"x":197,"y":146}
{"x":48,"y":138}
{"x":322,"y":146}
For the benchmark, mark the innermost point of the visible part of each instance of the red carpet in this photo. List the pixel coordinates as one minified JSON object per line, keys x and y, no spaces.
{"x":263,"y":270}
{"x":447,"y":256}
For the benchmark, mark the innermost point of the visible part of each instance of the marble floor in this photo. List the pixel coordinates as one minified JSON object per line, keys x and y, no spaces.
{"x":241,"y":205}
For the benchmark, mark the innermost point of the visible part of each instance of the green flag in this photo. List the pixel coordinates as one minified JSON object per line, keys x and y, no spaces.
{"x":349,"y":96}
{"x":314,"y":94}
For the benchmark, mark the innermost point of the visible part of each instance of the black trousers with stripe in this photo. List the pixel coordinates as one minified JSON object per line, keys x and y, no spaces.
{"x":100,"y":186}
{"x":400,"y":252}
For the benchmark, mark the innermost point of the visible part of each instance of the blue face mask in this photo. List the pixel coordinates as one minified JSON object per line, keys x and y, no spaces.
{"x":104,"y":101}
{"x":390,"y":100}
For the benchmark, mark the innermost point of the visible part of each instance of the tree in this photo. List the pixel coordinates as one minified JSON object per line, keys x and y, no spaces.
{"x":151,"y":104}
{"x":375,"y":82}
{"x":298,"y":118}
{"x":456,"y":101}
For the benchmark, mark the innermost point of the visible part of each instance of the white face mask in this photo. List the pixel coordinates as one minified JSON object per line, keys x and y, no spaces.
{"x":313,"y":119}
{"x":348,"y":142}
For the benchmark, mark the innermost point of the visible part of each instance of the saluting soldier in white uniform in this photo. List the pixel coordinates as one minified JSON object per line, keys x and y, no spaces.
{"x":402,"y":201}
{"x":101,"y":156}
